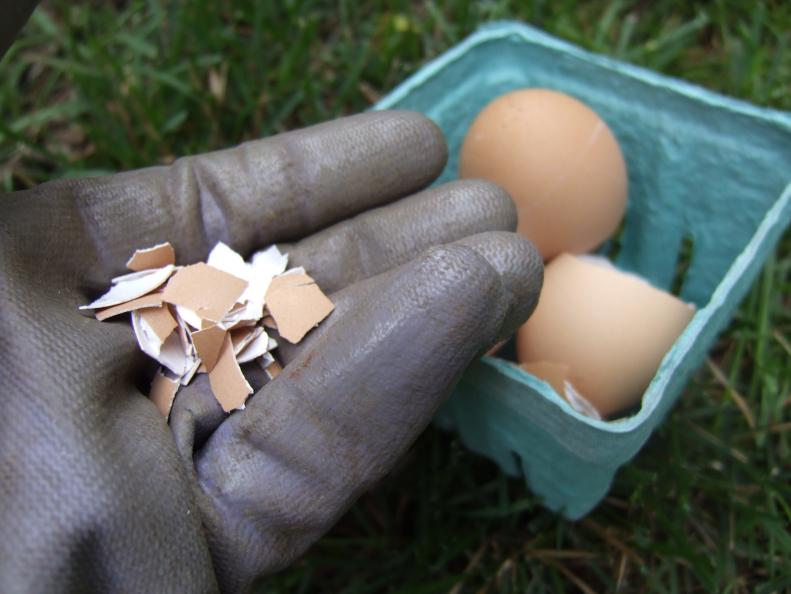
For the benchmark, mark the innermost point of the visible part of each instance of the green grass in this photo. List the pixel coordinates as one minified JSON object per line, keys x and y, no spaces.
{"x":705,"y":507}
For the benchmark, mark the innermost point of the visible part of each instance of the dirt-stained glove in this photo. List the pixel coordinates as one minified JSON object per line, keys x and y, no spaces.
{"x":98,"y":493}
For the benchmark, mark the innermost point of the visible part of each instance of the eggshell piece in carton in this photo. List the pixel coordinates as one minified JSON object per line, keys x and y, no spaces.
{"x":610,"y":328}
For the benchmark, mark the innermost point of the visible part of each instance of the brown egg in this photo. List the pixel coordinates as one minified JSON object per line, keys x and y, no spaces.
{"x":559,"y":162}
{"x":609,"y":329}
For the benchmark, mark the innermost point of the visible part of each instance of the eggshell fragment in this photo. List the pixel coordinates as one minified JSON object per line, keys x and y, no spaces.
{"x":611,"y":329}
{"x":559,"y":162}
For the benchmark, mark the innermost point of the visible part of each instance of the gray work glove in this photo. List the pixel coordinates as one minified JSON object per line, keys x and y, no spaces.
{"x":98,"y":493}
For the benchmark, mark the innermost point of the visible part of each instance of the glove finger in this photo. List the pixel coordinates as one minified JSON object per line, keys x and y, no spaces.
{"x":277,"y":475}
{"x":379,"y":239}
{"x":517,"y":262}
{"x":261,"y":192}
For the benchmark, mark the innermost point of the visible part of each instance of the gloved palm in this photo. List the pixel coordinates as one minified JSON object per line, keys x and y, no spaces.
{"x":99,"y":493}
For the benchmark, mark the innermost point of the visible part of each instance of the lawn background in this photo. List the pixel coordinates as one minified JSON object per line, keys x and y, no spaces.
{"x":94,"y":87}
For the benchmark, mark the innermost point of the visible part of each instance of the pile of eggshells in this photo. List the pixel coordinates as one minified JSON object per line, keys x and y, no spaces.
{"x":598,"y":334}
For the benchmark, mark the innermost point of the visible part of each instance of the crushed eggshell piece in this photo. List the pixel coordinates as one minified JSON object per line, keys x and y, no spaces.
{"x":241,"y":337}
{"x":254,"y":348}
{"x":207,"y":291}
{"x":184,"y":338}
{"x":146,"y":339}
{"x":269,"y":262}
{"x":227,"y":381}
{"x":160,"y":320}
{"x":163,"y":392}
{"x":172,"y":356}
{"x":133,"y":276}
{"x":206,"y":318}
{"x":264,"y":266}
{"x":273,"y":369}
{"x":236,"y":316}
{"x":154,"y":257}
{"x":191,"y":371}
{"x":224,"y":258}
{"x":126,"y":290}
{"x":191,"y":318}
{"x":150,"y":300}
{"x":208,"y":343}
{"x":297,"y":305}
{"x":169,"y":353}
{"x":579,"y":403}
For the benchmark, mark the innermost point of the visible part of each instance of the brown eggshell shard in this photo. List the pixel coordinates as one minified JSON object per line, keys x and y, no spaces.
{"x":163,"y":392}
{"x":150,"y":300}
{"x":154,"y":257}
{"x":205,"y":290}
{"x":228,"y":384}
{"x":160,"y":320}
{"x":208,"y":343}
{"x":297,"y":304}
{"x":610,"y":328}
{"x":559,"y":162}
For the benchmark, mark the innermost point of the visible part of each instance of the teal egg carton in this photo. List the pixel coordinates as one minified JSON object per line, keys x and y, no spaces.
{"x":706,"y":172}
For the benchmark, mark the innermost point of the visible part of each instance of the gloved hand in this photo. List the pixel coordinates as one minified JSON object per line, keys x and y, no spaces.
{"x":98,"y":493}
